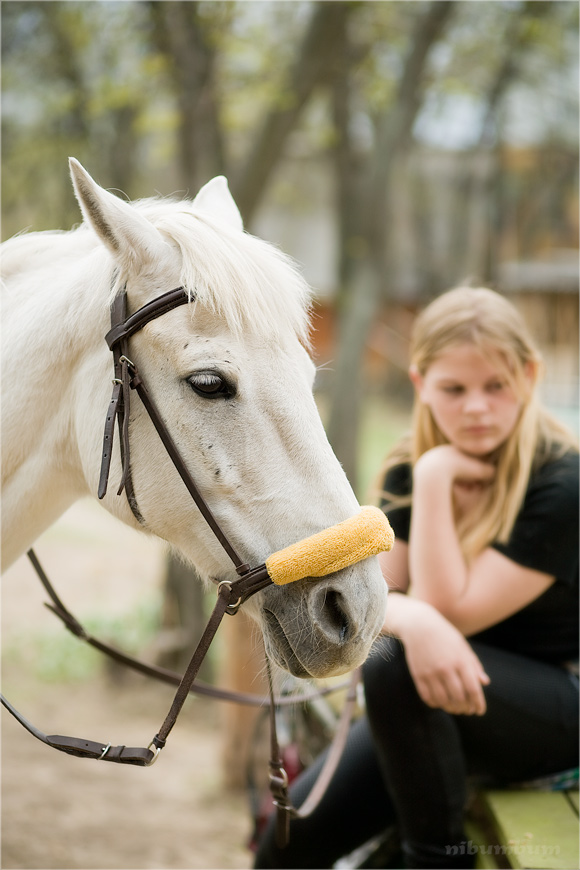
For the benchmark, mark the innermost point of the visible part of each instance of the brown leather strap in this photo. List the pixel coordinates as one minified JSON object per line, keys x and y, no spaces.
{"x":124,"y":328}
{"x":86,"y":748}
{"x":108,"y":438}
{"x":193,"y":667}
{"x":278,"y":777}
{"x":119,"y":410}
{"x":89,"y":749}
{"x":227,"y":599}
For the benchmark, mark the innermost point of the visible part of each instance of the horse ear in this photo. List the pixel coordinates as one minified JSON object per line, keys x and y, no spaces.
{"x":129,"y":236}
{"x":215,"y":199}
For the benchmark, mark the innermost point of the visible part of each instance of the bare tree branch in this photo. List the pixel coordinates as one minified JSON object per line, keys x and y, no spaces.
{"x":180,"y":36}
{"x":364,"y":207}
{"x":314,"y":65}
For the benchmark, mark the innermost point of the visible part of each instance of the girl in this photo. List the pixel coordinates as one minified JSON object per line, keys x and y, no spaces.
{"x":476,"y":675}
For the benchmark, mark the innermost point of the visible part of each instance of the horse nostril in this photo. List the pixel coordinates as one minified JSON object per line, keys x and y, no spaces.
{"x":330,"y":615}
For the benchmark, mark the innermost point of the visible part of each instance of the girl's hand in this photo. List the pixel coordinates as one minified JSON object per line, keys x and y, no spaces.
{"x":446,"y":672}
{"x":467,"y":477}
{"x":448,"y":464}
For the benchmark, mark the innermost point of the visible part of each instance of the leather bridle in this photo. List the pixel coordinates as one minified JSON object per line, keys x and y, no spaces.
{"x":230,"y":594}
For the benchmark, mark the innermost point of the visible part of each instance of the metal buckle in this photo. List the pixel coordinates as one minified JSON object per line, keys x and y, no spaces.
{"x":156,"y":756}
{"x":279,"y":778}
{"x":231,"y":609}
{"x":105,"y":750}
{"x":125,"y":359}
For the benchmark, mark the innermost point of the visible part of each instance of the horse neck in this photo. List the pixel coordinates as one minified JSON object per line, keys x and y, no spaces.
{"x":52,"y":333}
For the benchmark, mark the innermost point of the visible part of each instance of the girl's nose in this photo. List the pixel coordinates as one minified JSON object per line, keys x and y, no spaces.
{"x":475,"y":403}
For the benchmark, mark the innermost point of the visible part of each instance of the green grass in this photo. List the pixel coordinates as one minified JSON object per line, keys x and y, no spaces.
{"x":56,"y":656}
{"x":382,"y":425}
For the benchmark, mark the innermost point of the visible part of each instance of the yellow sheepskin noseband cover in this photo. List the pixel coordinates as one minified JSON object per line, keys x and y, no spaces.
{"x":357,"y":538}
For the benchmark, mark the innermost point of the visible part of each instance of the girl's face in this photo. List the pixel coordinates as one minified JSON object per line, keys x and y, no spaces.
{"x":470,"y":399}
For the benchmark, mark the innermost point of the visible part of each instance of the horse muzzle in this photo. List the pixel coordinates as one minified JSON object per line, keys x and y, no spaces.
{"x":326,"y":627}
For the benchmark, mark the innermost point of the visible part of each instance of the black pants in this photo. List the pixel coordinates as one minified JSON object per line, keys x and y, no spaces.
{"x":407,"y":764}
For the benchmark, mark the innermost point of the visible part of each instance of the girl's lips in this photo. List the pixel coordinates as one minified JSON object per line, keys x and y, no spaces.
{"x":478,"y":430}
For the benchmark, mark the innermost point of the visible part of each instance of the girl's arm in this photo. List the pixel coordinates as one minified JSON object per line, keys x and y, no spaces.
{"x":446,"y":672}
{"x":474,"y":596}
{"x":395,"y":567}
{"x":444,"y":668}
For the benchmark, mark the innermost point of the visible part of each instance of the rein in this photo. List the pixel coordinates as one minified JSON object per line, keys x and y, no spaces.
{"x":323,"y":553}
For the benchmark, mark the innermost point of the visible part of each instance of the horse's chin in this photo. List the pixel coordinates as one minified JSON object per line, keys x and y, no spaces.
{"x":278,"y":647}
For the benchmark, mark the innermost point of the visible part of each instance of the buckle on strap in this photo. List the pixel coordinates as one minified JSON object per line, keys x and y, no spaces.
{"x":136,"y":755}
{"x":231,"y":609}
{"x":154,"y":749}
{"x":278,"y":779}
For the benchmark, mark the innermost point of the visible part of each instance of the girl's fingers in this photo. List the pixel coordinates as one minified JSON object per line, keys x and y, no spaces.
{"x":432,"y":693}
{"x":458,"y":692}
{"x":473,"y":687}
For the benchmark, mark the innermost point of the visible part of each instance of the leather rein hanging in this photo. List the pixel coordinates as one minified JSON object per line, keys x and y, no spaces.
{"x":230,"y":594}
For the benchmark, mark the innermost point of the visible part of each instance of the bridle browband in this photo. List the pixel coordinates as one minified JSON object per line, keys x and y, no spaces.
{"x":230,"y":594}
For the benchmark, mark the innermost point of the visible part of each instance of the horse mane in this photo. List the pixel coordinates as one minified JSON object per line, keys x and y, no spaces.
{"x":248,"y":282}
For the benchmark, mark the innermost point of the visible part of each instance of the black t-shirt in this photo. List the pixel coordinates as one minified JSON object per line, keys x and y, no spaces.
{"x":545,"y":538}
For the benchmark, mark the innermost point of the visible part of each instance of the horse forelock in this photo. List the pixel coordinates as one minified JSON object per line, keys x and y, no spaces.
{"x":246,"y":281}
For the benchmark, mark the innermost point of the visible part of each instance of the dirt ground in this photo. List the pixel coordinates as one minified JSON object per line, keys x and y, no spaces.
{"x":63,"y":812}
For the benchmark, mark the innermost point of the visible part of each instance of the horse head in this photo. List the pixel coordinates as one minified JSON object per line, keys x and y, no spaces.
{"x":232,"y":378}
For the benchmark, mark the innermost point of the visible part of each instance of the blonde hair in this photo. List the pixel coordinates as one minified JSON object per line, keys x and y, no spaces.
{"x":485,"y":319}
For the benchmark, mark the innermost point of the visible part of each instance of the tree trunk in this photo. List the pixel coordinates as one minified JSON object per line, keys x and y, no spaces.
{"x":364,"y":211}
{"x":314,"y":64}
{"x":354,"y":325}
{"x":180,"y":36}
{"x":242,"y":670}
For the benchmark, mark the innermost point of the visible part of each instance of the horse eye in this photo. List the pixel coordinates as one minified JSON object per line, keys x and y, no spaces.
{"x":210,"y":385}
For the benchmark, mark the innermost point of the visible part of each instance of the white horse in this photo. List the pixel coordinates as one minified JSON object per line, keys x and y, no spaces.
{"x":232,"y":379}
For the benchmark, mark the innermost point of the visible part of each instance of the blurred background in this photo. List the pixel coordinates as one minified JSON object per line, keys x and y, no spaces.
{"x":394,"y":148}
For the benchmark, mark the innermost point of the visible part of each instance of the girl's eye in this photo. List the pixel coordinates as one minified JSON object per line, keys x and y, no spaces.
{"x":211,"y":385}
{"x":496,"y":386}
{"x":453,"y":390}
